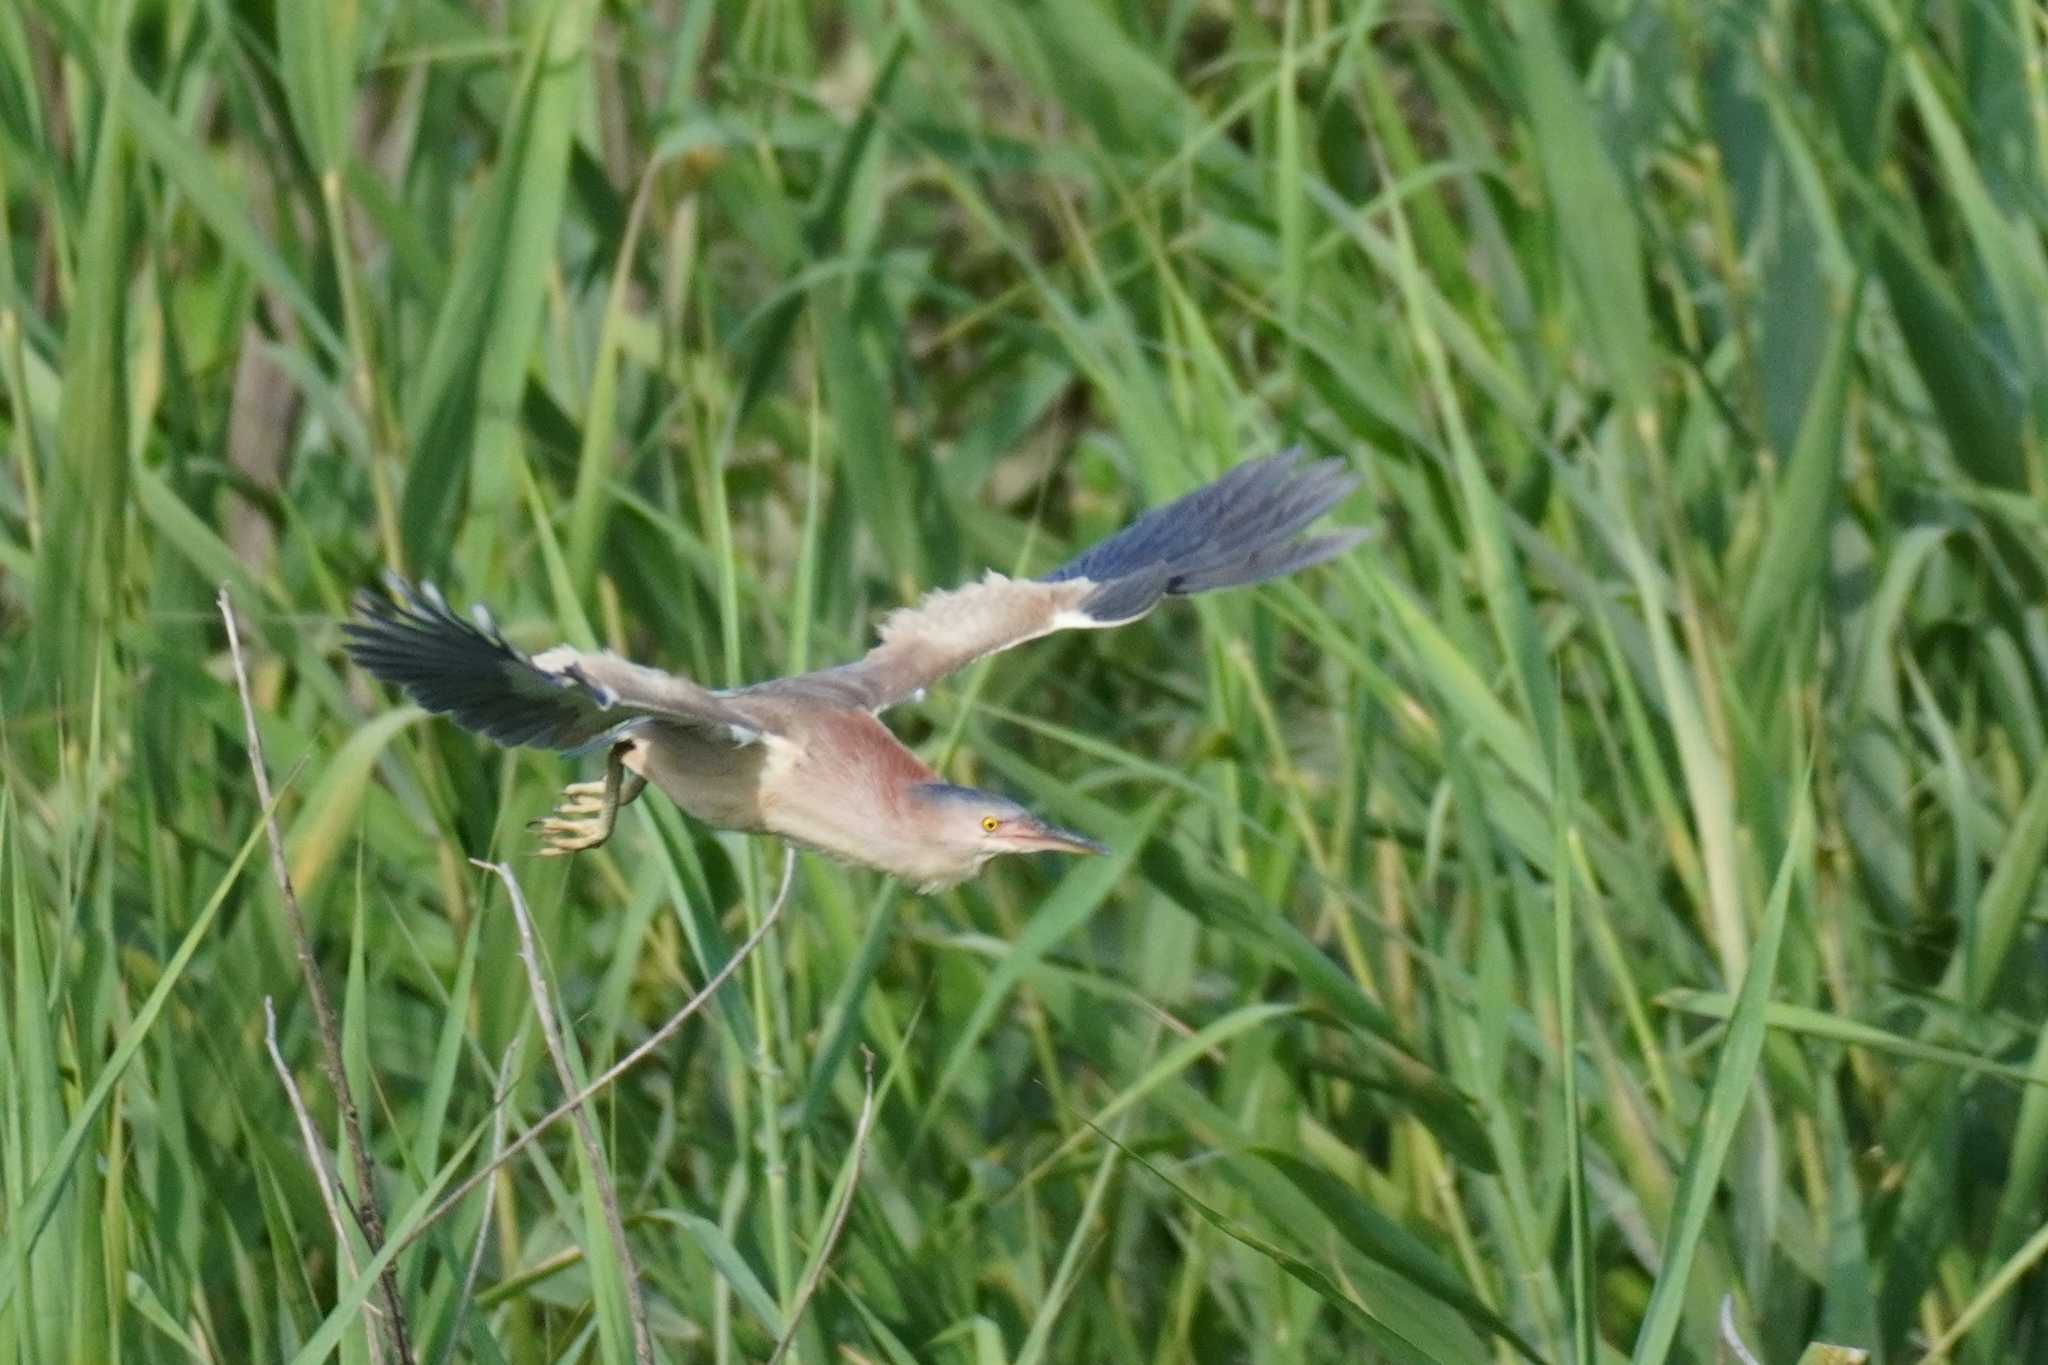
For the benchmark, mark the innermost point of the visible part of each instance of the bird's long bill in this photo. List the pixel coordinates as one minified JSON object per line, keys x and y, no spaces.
{"x":1038,"y":836}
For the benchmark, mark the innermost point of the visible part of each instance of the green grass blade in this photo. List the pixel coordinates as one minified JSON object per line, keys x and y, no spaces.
{"x":1725,"y":1102}
{"x":462,"y":421}
{"x":56,"y":1173}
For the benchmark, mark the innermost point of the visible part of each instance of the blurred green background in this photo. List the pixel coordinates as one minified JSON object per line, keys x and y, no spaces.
{"x":1613,"y":893}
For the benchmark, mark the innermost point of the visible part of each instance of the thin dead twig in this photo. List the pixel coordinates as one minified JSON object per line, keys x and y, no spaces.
{"x":331,"y":1194}
{"x":499,"y":1094}
{"x":368,"y":1217}
{"x":586,"y":1131}
{"x":1731,"y":1336}
{"x":623,"y":1065}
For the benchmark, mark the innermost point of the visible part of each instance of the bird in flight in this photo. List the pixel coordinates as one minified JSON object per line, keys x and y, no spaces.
{"x":804,"y":757}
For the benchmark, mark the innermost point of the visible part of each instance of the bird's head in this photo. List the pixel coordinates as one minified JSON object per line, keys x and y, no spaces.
{"x":965,"y":828}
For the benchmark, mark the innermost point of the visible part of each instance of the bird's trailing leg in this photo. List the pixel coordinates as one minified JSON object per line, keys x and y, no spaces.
{"x":588,"y":811}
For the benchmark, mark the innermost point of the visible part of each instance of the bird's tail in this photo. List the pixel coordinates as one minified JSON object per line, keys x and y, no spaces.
{"x":1243,"y":528}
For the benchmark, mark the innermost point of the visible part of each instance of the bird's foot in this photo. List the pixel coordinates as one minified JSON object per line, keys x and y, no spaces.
{"x":588,"y":811}
{"x":572,"y":831}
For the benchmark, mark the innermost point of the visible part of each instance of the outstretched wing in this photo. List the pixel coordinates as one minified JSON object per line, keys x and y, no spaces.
{"x":1243,"y":528}
{"x":560,"y":699}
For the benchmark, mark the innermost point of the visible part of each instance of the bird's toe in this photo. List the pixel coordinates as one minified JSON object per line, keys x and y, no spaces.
{"x":560,"y":836}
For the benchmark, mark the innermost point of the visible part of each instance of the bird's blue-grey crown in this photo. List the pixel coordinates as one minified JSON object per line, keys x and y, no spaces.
{"x":954,"y":793}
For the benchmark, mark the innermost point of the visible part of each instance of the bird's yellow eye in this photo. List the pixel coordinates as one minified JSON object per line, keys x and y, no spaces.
{"x":989,"y":823}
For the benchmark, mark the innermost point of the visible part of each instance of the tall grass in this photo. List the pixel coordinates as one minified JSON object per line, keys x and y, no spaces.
{"x":1614,"y":892}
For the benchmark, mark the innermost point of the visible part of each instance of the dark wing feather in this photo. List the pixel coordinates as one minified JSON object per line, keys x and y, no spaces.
{"x":561,"y":699}
{"x":1243,"y":528}
{"x":1238,"y":530}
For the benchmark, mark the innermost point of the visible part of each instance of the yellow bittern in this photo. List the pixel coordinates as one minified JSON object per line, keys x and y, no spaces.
{"x":804,"y":757}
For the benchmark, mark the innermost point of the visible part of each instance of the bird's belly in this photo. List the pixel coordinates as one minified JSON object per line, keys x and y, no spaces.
{"x":716,"y":782}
